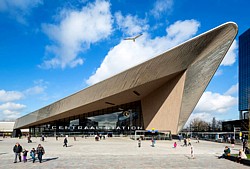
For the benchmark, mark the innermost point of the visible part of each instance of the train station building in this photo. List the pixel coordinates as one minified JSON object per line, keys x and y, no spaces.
{"x":159,"y":94}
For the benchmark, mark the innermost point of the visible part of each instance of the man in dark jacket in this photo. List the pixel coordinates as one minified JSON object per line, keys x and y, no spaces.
{"x":65,"y":142}
{"x":17,"y":149}
{"x":40,"y":152}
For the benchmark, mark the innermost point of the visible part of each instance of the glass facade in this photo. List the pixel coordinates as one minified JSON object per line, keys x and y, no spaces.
{"x":117,"y":120}
{"x":244,"y":72}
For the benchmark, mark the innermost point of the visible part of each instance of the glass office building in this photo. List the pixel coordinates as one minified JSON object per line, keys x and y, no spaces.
{"x":244,"y":73}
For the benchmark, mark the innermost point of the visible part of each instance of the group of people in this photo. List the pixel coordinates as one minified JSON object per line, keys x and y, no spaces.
{"x":18,"y":150}
{"x":186,"y":142}
{"x":227,"y":152}
{"x":99,"y":137}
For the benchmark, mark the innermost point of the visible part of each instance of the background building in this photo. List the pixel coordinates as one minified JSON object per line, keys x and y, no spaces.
{"x":6,"y":129}
{"x":244,"y":74}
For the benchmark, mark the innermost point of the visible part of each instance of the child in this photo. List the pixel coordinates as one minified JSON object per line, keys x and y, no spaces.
{"x":25,"y":155}
{"x":175,"y":145}
{"x":153,"y":142}
{"x":139,"y":142}
{"x":33,"y":154}
{"x":192,"y":152}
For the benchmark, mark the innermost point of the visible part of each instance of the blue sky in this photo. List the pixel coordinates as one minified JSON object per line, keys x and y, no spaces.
{"x":52,"y":49}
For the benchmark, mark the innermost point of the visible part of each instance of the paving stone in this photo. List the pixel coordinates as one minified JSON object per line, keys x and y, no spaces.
{"x":118,"y":153}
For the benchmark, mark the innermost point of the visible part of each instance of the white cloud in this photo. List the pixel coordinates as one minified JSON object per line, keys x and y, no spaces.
{"x":218,"y":72}
{"x":215,"y":102}
{"x":18,"y":9}
{"x":11,"y":106}
{"x":230,"y":57}
{"x":6,"y":96}
{"x":34,"y":90}
{"x":161,"y":7}
{"x":39,"y":88}
{"x":130,"y":25}
{"x":10,"y":110}
{"x":75,"y":33}
{"x":212,"y":103}
{"x":233,"y":90}
{"x":128,"y":53}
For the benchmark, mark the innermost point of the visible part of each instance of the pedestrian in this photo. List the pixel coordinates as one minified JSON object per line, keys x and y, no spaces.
{"x":189,"y":142}
{"x":56,"y":137}
{"x":42,"y":138}
{"x":25,"y":152}
{"x":192,"y":151}
{"x":245,"y":145}
{"x":65,"y":141}
{"x":96,"y":138}
{"x":40,"y":152}
{"x":74,"y":138}
{"x":139,"y":142}
{"x":153,"y":142}
{"x":17,"y":149}
{"x":185,"y":142}
{"x":175,"y":144}
{"x":232,"y":142}
{"x":197,"y":139}
{"x":33,"y":154}
{"x":179,"y":138}
{"x":29,"y":139}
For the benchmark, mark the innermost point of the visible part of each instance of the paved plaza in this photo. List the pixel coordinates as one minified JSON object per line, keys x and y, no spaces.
{"x":117,"y":153}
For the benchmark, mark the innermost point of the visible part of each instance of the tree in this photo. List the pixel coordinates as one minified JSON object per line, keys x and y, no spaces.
{"x":216,"y":125}
{"x":199,"y":125}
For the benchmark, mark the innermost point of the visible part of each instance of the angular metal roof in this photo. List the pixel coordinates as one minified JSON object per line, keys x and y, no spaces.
{"x":197,"y":58}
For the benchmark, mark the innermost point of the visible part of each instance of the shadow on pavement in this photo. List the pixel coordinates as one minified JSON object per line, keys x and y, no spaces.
{"x":49,"y":159}
{"x":2,"y":153}
{"x":44,"y":159}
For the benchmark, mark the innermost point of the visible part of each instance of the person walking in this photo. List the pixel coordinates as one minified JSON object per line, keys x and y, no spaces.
{"x":232,"y":142}
{"x":245,"y":145}
{"x":197,"y":139}
{"x":185,"y":142}
{"x":192,"y":151}
{"x":153,"y":142}
{"x":40,"y":152}
{"x":29,"y":139}
{"x":25,"y":152}
{"x":17,"y":149}
{"x":33,"y":154}
{"x":139,"y":142}
{"x":189,"y":142}
{"x":42,"y":138}
{"x":65,"y":141}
